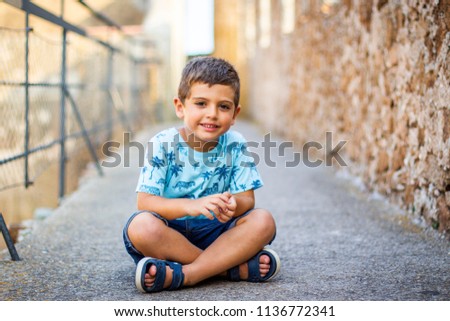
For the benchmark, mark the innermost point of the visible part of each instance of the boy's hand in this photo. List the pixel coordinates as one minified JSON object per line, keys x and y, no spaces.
{"x":217,"y":204}
{"x":225,"y":216}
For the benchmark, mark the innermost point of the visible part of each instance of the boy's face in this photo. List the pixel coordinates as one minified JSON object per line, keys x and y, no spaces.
{"x":208,"y":113}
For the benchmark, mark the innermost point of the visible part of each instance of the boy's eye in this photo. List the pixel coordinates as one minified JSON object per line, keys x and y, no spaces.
{"x":225,"y":107}
{"x":200,"y":103}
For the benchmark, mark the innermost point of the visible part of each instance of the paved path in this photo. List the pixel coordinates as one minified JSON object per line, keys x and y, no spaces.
{"x":335,"y":244}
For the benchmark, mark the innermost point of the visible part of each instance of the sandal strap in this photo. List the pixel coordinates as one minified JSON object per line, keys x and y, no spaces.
{"x":177,"y":275}
{"x":253,"y":269}
{"x":233,"y":274}
{"x":160,"y":275}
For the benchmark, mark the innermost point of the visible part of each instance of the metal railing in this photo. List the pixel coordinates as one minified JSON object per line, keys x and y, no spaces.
{"x":56,"y":92}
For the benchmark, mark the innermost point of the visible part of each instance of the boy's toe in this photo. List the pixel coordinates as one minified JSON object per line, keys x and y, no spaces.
{"x":152,"y":271}
{"x":264,"y":259}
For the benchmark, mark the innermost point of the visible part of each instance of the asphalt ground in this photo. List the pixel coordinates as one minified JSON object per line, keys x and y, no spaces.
{"x":336,"y":242}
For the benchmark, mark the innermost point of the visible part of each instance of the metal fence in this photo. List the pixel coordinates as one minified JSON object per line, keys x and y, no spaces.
{"x":61,"y":89}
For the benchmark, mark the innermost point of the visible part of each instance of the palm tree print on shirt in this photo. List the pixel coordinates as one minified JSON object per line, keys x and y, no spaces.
{"x":150,"y":190}
{"x":256,"y":183}
{"x":170,"y":157}
{"x":144,"y":170}
{"x":196,"y":165}
{"x":205,"y":176}
{"x":222,"y":172}
{"x":175,"y":169}
{"x":161,"y":181}
{"x":183,"y":185}
{"x":233,"y":176}
{"x":157,"y":163}
{"x":182,"y":149}
{"x":210,"y":190}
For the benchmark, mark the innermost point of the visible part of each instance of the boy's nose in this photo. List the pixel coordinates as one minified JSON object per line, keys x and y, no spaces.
{"x":212,"y":111}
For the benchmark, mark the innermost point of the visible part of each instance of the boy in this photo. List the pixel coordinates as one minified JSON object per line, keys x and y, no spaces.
{"x":195,"y":198}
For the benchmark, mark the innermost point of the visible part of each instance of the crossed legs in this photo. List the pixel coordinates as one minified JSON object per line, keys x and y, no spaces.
{"x":152,"y":237}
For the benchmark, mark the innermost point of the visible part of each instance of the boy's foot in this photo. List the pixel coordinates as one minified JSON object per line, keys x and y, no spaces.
{"x":264,"y":267}
{"x":153,"y":275}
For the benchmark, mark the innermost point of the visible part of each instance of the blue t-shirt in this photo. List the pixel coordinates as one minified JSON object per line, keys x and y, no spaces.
{"x":172,"y":169}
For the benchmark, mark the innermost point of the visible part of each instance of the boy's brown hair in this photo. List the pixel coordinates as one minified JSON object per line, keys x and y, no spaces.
{"x":211,"y":71}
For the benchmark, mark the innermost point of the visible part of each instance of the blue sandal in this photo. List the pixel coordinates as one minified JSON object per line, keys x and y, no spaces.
{"x":253,"y":267}
{"x":144,"y":265}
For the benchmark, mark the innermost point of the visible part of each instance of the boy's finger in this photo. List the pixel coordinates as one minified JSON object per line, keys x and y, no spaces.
{"x":227,"y":217}
{"x":232,"y":203}
{"x":223,"y":207}
{"x":226,"y":213}
{"x":224,"y":198}
{"x":223,"y":218}
{"x":221,"y":204}
{"x":213,"y":209}
{"x":206,"y":212}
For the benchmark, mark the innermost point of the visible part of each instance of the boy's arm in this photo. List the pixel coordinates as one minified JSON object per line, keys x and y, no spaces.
{"x":168,"y":208}
{"x":173,"y":208}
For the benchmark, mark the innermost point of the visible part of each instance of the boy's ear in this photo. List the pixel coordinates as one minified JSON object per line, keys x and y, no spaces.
{"x":179,"y":107}
{"x":236,"y":112}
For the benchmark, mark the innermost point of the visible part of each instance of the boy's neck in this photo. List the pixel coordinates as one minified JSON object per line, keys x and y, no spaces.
{"x":196,"y":144}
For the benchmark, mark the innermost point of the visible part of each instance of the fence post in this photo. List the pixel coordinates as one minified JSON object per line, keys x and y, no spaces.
{"x":87,"y":140}
{"x":27,"y":99}
{"x":62,"y":128}
{"x":109,"y":103}
{"x":133,"y":105}
{"x":8,"y":240}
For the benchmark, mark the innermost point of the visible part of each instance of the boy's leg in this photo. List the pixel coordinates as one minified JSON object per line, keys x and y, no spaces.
{"x":232,"y":248}
{"x":152,"y":237}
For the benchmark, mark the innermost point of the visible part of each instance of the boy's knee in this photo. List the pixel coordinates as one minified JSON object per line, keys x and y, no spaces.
{"x":264,"y":215}
{"x":263,"y":221}
{"x":267,"y":219}
{"x":145,"y":228}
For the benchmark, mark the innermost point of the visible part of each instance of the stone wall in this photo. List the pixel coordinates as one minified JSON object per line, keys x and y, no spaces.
{"x":375,"y":73}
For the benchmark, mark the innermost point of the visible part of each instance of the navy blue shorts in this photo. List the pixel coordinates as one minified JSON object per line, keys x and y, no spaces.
{"x":200,"y":232}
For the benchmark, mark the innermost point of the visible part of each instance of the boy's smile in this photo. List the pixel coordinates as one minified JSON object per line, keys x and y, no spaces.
{"x":208,"y":112}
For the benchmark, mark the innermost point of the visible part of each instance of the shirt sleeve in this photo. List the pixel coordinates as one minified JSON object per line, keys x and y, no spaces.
{"x":153,"y":175}
{"x":244,"y":174}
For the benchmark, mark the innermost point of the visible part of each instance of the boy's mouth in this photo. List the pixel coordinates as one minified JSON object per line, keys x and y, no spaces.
{"x":209,"y":126}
